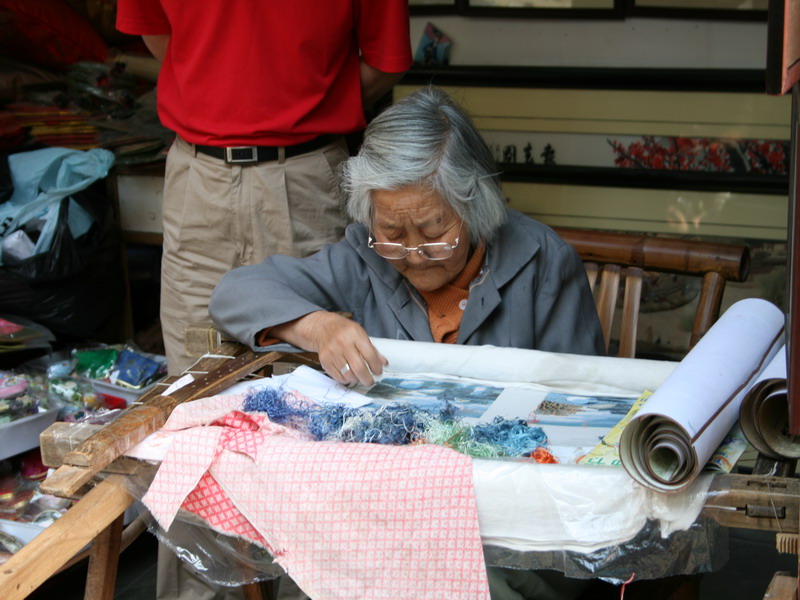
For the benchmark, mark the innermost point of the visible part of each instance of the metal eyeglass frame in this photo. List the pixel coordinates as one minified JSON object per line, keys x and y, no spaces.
{"x":421,"y":249}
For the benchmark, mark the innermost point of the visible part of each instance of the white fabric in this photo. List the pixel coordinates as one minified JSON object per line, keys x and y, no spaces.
{"x":526,"y":506}
{"x":574,"y":373}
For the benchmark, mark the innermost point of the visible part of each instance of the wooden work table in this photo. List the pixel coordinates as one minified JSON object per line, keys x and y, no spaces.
{"x":746,"y":501}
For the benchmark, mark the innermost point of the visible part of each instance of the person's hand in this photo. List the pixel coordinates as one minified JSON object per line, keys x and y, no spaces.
{"x":343,"y":346}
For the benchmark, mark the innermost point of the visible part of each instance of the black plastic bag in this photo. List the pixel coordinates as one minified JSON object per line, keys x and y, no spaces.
{"x":6,"y":187}
{"x":75,"y":288}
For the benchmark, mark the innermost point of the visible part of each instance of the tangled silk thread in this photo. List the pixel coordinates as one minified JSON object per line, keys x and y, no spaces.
{"x":401,"y":423}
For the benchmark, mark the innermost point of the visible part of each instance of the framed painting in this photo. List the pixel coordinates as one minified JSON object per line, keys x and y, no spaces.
{"x":732,"y":10}
{"x":783,"y":46}
{"x":604,"y":9}
{"x":434,"y":7}
{"x":711,"y":163}
{"x":662,"y":129}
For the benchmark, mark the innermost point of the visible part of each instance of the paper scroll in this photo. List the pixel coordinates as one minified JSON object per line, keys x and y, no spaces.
{"x":673,"y":436}
{"x":764,"y":413}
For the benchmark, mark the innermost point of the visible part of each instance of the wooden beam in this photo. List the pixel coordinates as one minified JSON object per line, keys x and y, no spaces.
{"x":101,"y":578}
{"x":755,"y":502}
{"x":782,"y":587}
{"x":47,"y":552}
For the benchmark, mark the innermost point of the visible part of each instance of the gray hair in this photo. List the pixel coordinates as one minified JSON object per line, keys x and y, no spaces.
{"x":426,"y":141}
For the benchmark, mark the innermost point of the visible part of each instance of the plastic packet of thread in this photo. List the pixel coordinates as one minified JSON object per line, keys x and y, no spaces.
{"x":12,"y":385}
{"x":21,"y":395}
{"x":73,"y":397}
{"x":94,"y":363}
{"x":134,"y":370}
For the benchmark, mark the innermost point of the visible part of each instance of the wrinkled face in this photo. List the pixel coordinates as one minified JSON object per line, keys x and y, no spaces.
{"x":412,"y":217}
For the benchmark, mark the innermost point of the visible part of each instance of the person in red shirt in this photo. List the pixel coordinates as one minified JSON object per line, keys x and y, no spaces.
{"x":259,"y":95}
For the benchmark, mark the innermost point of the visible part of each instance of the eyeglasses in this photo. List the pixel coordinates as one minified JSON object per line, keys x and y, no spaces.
{"x":432,"y":251}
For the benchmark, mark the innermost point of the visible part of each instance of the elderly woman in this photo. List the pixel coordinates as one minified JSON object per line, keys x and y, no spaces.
{"x":434,"y":255}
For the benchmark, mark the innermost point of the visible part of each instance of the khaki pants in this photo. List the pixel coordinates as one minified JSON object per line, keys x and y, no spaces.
{"x":218,"y":216}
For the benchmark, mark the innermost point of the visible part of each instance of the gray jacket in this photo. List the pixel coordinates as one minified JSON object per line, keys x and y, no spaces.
{"x":532,"y":292}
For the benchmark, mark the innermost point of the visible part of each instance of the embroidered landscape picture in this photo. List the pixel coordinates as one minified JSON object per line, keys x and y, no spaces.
{"x":469,"y":399}
{"x":579,"y":411}
{"x":575,"y":423}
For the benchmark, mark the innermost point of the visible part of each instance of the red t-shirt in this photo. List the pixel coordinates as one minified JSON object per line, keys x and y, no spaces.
{"x":267,"y":72}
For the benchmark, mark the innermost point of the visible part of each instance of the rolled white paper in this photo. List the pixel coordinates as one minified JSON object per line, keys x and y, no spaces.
{"x":675,"y":433}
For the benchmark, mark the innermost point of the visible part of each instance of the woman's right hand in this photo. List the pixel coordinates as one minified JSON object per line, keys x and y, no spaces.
{"x":343,"y":346}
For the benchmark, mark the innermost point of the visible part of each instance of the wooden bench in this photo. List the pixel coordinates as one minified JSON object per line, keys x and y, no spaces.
{"x":97,"y":517}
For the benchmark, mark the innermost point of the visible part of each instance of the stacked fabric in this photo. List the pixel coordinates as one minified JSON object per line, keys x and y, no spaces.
{"x":54,"y":126}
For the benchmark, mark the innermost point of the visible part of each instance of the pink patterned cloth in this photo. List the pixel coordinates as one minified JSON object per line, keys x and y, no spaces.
{"x":344,"y":520}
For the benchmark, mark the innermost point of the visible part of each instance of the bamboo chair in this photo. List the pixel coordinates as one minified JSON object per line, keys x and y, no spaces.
{"x":620,"y":260}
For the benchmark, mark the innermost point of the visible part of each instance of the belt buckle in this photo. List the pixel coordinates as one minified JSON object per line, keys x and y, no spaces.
{"x":241,"y":154}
